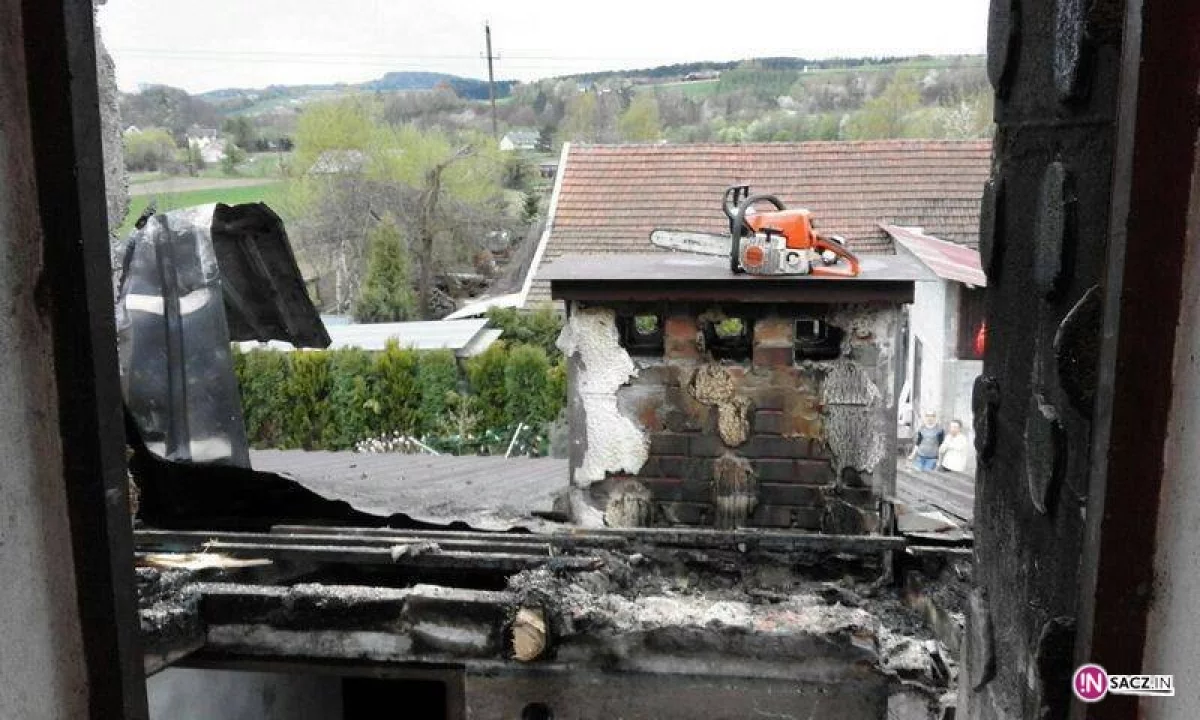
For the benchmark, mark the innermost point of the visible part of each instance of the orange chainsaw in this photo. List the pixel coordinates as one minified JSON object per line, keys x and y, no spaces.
{"x":774,"y":242}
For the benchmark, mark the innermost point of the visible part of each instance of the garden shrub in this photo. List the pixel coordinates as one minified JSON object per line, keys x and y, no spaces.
{"x":335,"y":399}
{"x":486,"y":375}
{"x":354,"y":408}
{"x":527,"y":385}
{"x":307,"y":395}
{"x":437,"y":377}
{"x":396,"y":388}
{"x":261,"y":375}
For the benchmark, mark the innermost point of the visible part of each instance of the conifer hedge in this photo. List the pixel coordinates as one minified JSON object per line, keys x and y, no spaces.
{"x":332,"y":399}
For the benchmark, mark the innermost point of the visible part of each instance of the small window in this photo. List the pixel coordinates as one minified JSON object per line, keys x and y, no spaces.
{"x":972,"y":325}
{"x":729,"y":339}
{"x":641,"y":334}
{"x":817,"y":340}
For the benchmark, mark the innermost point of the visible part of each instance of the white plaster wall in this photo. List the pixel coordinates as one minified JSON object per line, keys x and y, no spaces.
{"x":928,"y":321}
{"x":1173,"y":636}
{"x":42,"y":672}
{"x":185,"y":694}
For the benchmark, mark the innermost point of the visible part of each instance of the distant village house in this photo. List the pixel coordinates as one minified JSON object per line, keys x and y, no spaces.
{"x":519,"y":140}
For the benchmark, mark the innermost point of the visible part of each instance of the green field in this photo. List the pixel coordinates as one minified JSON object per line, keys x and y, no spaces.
{"x":693,"y":89}
{"x":272,"y":194}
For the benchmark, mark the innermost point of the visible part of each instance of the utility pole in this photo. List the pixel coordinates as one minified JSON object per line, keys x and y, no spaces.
{"x":487,"y":32}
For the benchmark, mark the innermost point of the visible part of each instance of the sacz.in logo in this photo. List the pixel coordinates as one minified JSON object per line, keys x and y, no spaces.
{"x":1091,"y":683}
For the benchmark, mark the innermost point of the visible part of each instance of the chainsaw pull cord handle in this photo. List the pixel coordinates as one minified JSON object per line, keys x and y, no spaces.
{"x":739,"y":229}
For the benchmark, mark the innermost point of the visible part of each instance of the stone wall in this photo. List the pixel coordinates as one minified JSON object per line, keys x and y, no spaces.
{"x":764,"y":438}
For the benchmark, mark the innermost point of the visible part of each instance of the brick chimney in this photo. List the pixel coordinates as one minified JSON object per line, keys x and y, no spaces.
{"x":701,"y":398}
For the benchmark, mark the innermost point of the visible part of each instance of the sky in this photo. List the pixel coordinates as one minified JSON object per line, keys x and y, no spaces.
{"x":202,"y":45}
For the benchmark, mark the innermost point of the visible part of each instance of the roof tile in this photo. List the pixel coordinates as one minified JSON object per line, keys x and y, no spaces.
{"x":612,"y":196}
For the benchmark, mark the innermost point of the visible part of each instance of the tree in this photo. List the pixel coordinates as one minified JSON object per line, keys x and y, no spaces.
{"x":885,"y":116}
{"x":580,"y":123}
{"x":530,"y":206}
{"x":444,"y":192}
{"x":966,"y":116}
{"x":149,"y":149}
{"x":517,"y":172}
{"x":386,"y":294}
{"x":545,"y":141}
{"x":640,"y":122}
{"x":231,"y":158}
{"x":348,"y":124}
{"x":241,"y":130}
{"x":192,"y":158}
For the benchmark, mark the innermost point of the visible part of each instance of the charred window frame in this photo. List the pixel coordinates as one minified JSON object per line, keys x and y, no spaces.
{"x":972,"y":323}
{"x":816,"y":339}
{"x":730,"y":339}
{"x":641,"y":333}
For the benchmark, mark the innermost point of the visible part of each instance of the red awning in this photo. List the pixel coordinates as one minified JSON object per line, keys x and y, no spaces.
{"x":946,"y":259}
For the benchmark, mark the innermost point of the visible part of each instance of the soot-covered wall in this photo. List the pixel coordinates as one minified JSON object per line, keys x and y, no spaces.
{"x":700,"y":414}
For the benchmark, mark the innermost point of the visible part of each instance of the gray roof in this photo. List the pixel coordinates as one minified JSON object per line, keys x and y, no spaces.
{"x":466,"y":338}
{"x":522,"y":137}
{"x":486,"y":492}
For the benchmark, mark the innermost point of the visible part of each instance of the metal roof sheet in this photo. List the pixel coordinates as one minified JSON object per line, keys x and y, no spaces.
{"x":948,"y":260}
{"x":455,"y":335}
{"x":486,"y":492}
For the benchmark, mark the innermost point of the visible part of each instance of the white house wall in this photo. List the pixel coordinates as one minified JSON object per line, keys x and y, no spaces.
{"x":928,"y":322}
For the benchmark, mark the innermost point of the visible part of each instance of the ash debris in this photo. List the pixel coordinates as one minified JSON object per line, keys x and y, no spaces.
{"x":712,"y":605}
{"x":168,"y":614}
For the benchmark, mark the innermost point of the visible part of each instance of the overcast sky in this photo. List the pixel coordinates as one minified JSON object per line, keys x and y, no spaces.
{"x":207,"y":44}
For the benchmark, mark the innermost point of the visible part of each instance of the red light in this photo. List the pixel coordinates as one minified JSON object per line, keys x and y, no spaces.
{"x":980,"y":339}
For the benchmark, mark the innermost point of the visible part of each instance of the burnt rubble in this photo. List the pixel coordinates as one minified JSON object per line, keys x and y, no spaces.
{"x":823,"y":612}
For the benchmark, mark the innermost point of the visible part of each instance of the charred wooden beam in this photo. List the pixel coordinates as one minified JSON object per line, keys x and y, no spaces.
{"x":695,"y":538}
{"x":415,"y":555}
{"x":168,"y":540}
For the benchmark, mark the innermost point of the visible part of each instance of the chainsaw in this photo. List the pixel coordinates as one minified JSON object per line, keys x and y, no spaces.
{"x":775,"y":242}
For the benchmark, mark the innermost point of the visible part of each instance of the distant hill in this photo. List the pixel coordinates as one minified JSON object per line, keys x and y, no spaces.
{"x":250,"y":100}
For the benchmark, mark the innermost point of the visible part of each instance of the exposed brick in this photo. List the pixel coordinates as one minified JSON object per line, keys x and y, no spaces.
{"x":772,"y":399}
{"x":859,"y":497}
{"x":705,"y":446}
{"x":818,"y":450}
{"x":686,"y":513}
{"x":773,"y":356}
{"x":650,"y":468}
{"x":673,"y":466}
{"x":814,"y":472}
{"x":678,"y":490}
{"x":679,"y":338}
{"x":683,"y":413}
{"x":842,"y":518}
{"x":699,"y":469}
{"x":768,"y":422}
{"x":774,"y":470}
{"x":774,"y":331}
{"x":790,"y":494}
{"x":767,"y":446}
{"x":668,"y":444}
{"x":784,"y":516}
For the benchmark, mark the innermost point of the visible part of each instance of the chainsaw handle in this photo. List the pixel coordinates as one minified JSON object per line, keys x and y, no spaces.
{"x":824,"y":243}
{"x":738,"y":227}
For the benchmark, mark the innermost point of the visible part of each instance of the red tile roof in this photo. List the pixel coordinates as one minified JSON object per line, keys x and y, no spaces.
{"x":612,"y":196}
{"x":948,"y":260}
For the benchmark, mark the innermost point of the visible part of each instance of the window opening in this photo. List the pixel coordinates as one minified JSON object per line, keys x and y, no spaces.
{"x":817,"y":340}
{"x":729,"y":339}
